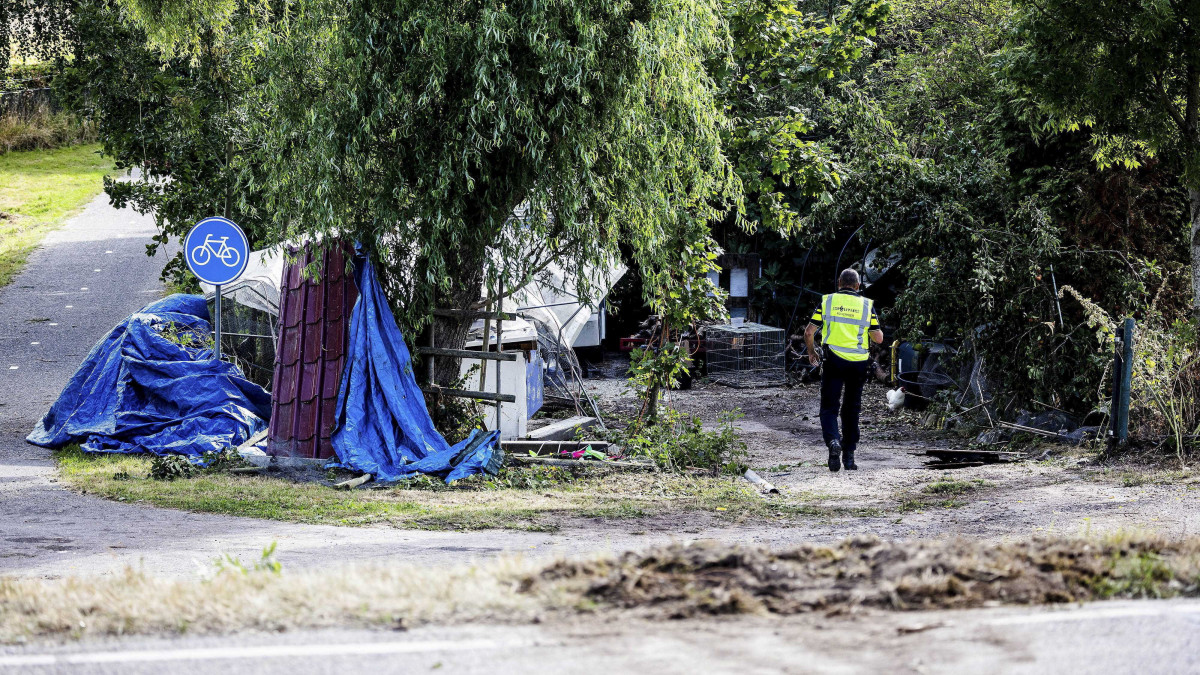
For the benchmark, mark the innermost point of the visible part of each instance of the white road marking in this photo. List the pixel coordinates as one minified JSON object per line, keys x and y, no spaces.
{"x":84,"y":288}
{"x":70,"y":306}
{"x":96,"y":270}
{"x":35,"y":343}
{"x":108,"y":251}
{"x":51,"y":324}
{"x":13,"y":367}
{"x":1092,"y":614}
{"x":263,"y":652}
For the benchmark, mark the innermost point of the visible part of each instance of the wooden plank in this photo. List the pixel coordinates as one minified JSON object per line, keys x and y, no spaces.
{"x":553,"y":461}
{"x":465,"y":393}
{"x":562,"y":430}
{"x":552,"y":446}
{"x":253,"y":441}
{"x":979,"y":454}
{"x":953,"y":465}
{"x":473,"y":314}
{"x":467,"y":354}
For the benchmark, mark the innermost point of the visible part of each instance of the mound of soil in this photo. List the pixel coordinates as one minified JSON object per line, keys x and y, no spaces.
{"x":679,"y":581}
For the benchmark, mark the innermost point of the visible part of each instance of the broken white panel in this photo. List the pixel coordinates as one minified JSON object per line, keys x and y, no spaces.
{"x":522,"y":379}
{"x":739,"y":282}
{"x":259,"y":285}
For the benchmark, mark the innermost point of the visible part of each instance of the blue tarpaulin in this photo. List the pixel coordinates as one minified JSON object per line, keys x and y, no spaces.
{"x":384,"y":428}
{"x":137,"y":391}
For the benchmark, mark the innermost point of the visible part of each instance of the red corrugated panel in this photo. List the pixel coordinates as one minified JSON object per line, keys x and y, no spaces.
{"x":313,"y":330}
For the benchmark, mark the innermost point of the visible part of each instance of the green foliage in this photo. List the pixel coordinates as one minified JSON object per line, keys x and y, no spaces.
{"x":265,"y":563}
{"x":677,"y":442}
{"x":418,"y":127}
{"x":186,"y":336}
{"x":39,"y":30}
{"x":1165,"y":391}
{"x":1130,"y":71}
{"x":173,"y":467}
{"x":180,"y":121}
{"x":456,"y":417}
{"x":534,"y":477}
{"x":942,"y":170}
{"x":43,"y":131}
{"x":781,"y":53}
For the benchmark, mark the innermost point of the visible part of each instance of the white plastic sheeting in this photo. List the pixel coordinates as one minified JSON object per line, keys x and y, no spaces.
{"x":258,"y":287}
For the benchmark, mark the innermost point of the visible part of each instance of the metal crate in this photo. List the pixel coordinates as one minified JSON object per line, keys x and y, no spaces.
{"x":750,"y":355}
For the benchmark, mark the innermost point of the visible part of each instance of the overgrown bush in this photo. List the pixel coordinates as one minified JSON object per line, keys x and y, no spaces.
{"x":43,"y":131}
{"x":678,"y":442}
{"x":455,"y":417}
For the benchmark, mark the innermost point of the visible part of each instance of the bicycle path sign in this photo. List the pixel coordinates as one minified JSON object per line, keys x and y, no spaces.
{"x":216,"y":251}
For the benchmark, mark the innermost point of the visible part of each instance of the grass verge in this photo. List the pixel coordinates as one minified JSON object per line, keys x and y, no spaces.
{"x":534,"y":498}
{"x":39,"y":189}
{"x":670,"y":581}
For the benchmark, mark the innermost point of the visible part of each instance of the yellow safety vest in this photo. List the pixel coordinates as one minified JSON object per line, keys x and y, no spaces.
{"x":845,"y":324}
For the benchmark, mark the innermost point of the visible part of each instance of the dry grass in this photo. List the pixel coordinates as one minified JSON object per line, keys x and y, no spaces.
{"x":670,"y":581}
{"x":232,"y":600}
{"x":42,"y":132}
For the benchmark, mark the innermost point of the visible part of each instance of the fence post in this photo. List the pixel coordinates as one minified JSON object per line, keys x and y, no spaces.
{"x":1123,"y":381}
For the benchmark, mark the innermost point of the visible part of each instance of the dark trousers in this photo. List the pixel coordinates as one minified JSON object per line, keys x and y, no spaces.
{"x":839,"y":375}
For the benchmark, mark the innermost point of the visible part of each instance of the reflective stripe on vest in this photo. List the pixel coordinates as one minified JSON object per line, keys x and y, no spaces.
{"x":850,"y":345}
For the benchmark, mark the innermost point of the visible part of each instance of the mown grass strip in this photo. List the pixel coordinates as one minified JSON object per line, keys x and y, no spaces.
{"x":39,"y":190}
{"x":529,"y":498}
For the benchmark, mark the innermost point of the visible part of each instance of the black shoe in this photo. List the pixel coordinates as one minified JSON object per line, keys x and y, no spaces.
{"x":835,"y":456}
{"x":848,"y":460}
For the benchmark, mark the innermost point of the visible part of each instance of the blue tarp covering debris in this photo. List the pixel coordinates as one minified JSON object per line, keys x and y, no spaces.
{"x":384,"y":428}
{"x":137,"y":391}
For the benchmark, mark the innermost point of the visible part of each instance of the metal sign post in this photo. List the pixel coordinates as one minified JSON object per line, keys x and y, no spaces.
{"x":216,"y":251}
{"x":217,"y":327}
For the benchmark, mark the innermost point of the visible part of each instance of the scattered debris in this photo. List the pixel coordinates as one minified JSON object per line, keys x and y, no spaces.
{"x":919,"y":628}
{"x":555,"y":461}
{"x":959,"y":459}
{"x":679,"y":581}
{"x":353,"y":482}
{"x":563,"y":430}
{"x":553,"y":448}
{"x":760,"y":483}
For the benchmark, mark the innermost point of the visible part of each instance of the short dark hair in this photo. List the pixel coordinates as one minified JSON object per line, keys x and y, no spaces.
{"x":848,"y":278}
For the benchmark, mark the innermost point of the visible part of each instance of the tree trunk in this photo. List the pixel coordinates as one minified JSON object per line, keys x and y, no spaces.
{"x":451,"y":332}
{"x":1194,"y":242}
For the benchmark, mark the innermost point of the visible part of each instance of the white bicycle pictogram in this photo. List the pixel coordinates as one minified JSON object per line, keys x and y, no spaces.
{"x":202,"y":254}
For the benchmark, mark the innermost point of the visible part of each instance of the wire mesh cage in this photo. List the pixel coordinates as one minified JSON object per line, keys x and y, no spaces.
{"x":749,"y":355}
{"x":248,"y":336}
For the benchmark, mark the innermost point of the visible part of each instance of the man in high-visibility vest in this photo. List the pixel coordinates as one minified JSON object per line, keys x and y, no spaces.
{"x":848,"y":326}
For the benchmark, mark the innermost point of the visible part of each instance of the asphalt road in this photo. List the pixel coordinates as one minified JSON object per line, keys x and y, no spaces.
{"x":1146,"y":637}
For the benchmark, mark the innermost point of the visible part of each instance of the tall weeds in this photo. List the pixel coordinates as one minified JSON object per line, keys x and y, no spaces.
{"x":43,"y":130}
{"x":1165,"y":393}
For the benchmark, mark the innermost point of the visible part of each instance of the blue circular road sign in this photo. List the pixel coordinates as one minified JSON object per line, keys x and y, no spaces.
{"x":216,"y":251}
